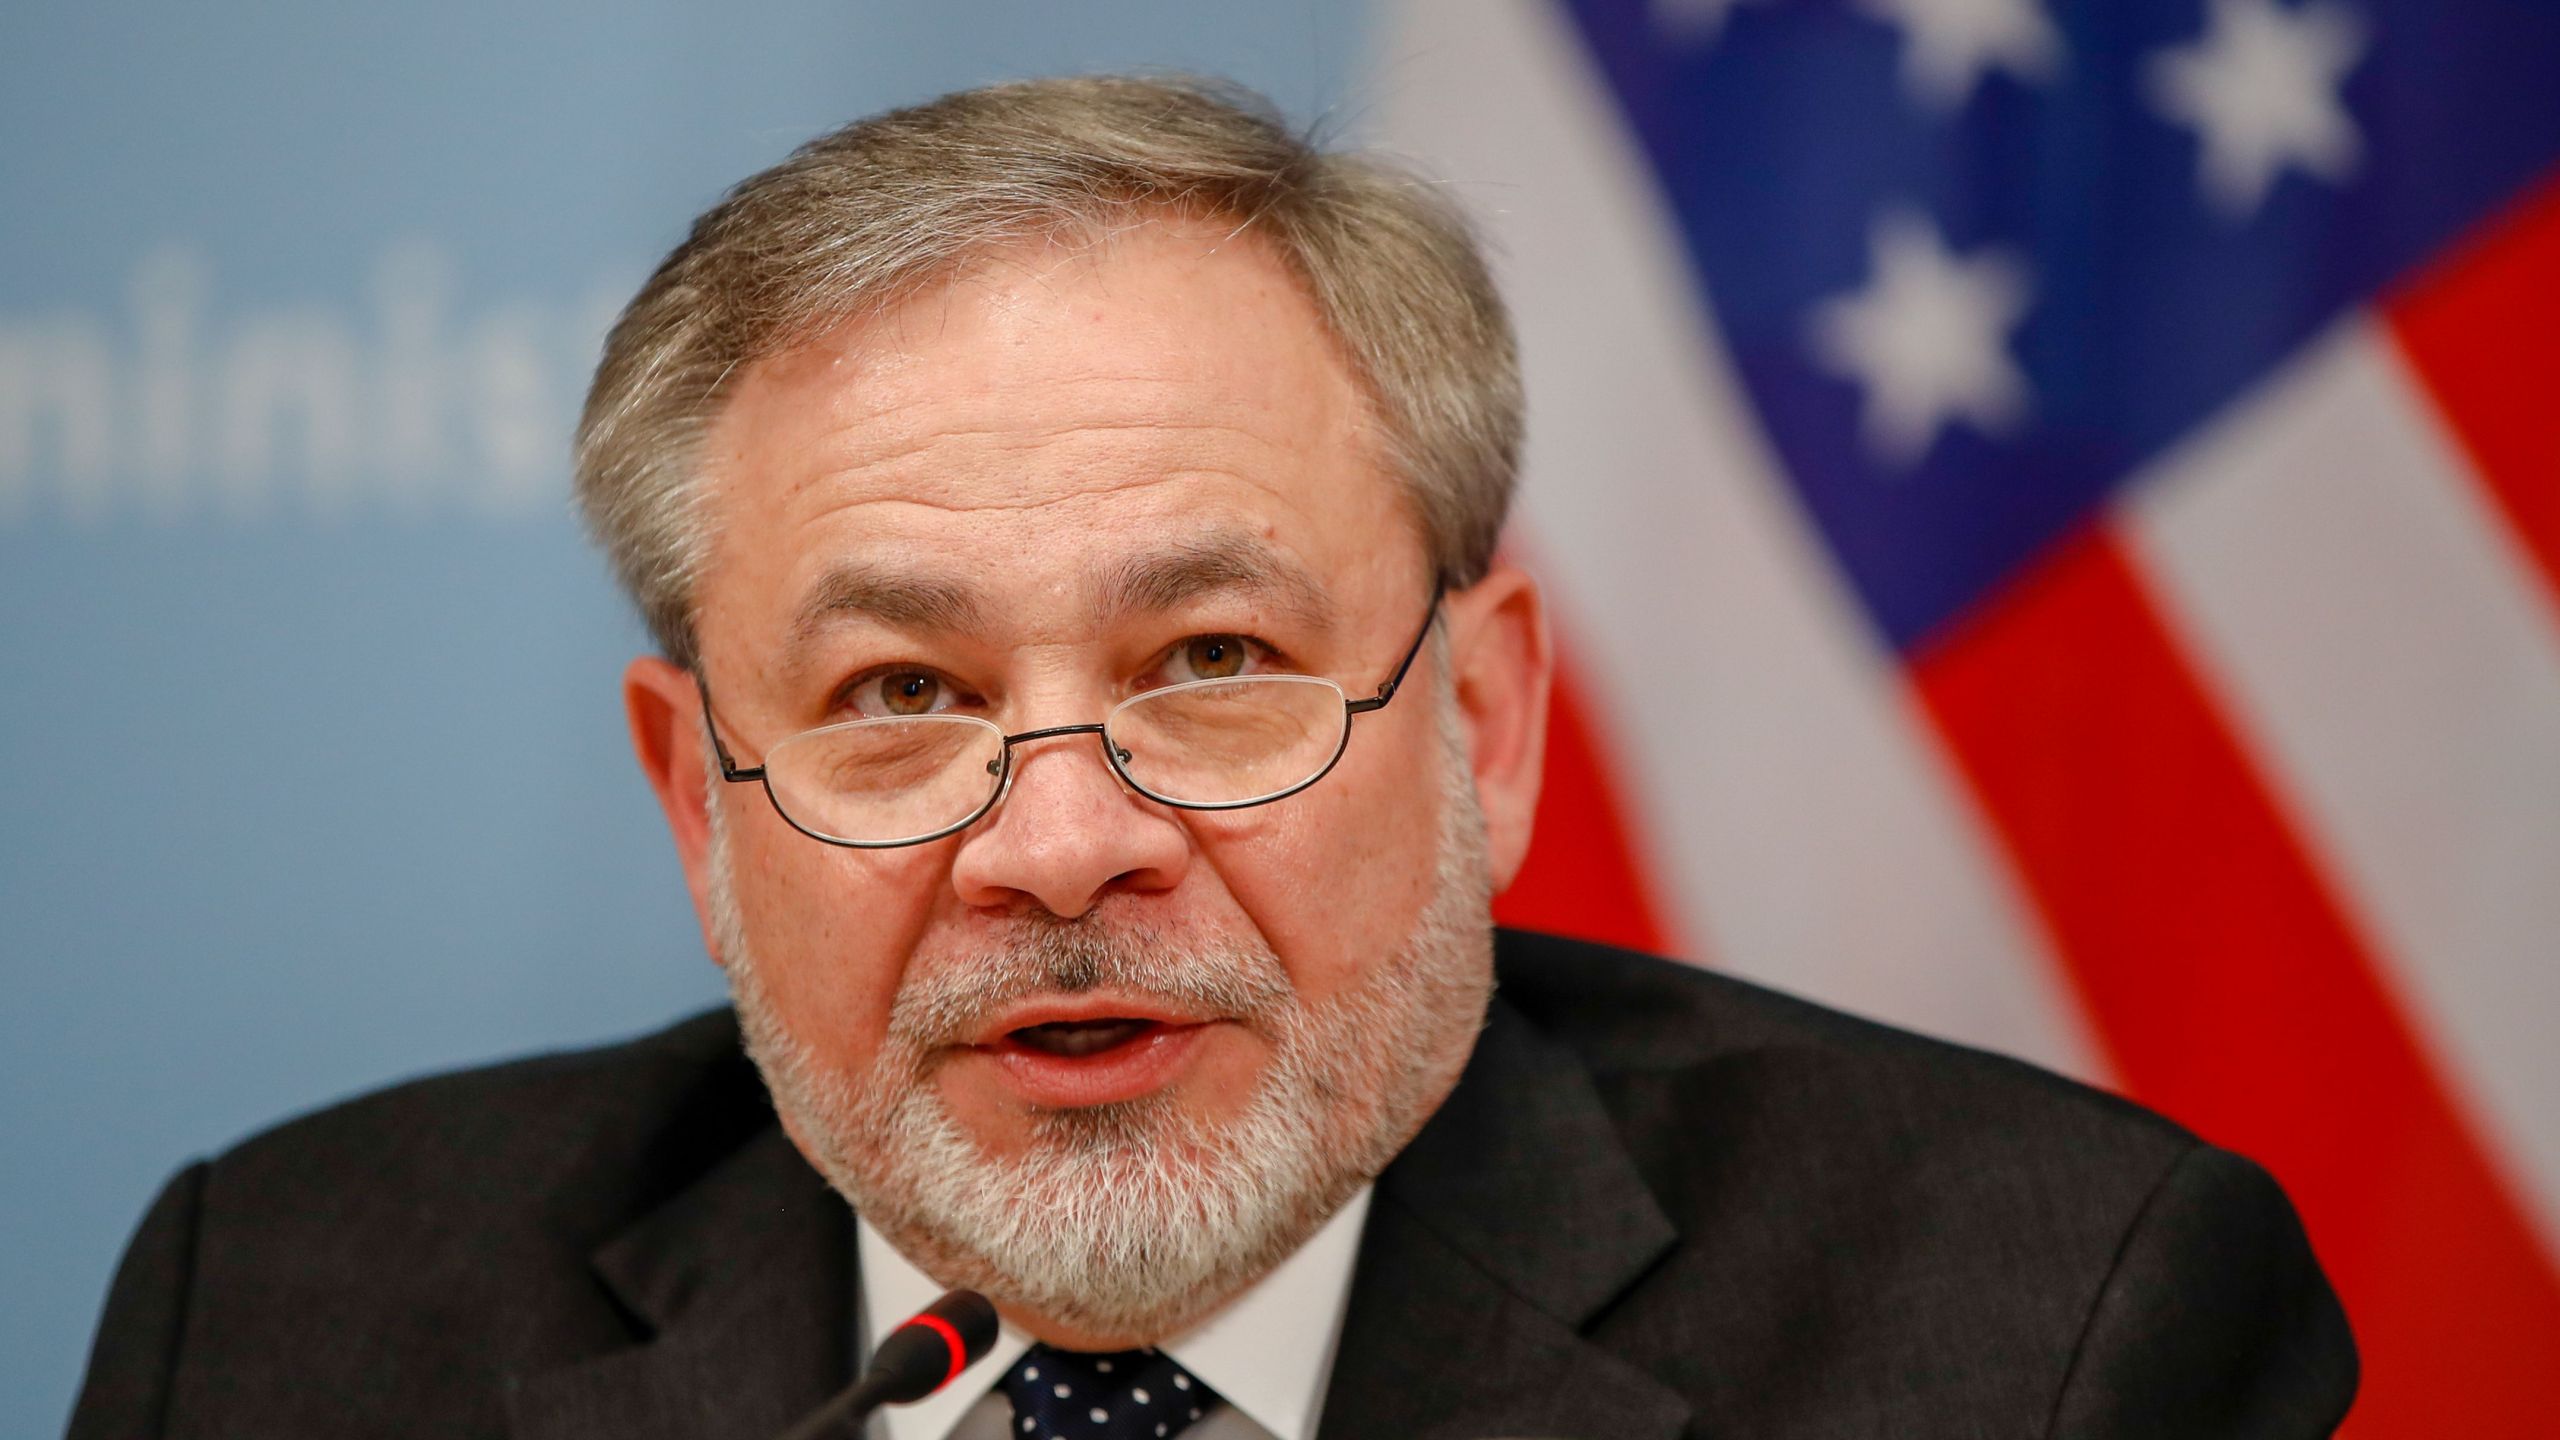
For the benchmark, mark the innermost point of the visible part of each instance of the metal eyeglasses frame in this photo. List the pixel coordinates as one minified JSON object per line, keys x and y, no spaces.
{"x":1112,"y":755}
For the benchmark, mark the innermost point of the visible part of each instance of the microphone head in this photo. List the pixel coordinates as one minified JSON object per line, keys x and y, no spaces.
{"x":972,"y":1317}
{"x":930,"y":1350}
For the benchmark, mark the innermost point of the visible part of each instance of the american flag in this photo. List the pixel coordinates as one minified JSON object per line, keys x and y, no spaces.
{"x":2054,"y":517}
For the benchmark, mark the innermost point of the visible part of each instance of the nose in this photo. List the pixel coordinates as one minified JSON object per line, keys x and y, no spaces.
{"x":1067,"y":833}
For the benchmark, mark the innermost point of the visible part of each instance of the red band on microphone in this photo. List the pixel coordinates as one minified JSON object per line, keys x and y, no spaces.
{"x":950,"y":1344}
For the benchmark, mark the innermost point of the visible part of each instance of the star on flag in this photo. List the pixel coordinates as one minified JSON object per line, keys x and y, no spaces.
{"x":2261,"y":90}
{"x":1950,"y":45}
{"x":1927,"y":339}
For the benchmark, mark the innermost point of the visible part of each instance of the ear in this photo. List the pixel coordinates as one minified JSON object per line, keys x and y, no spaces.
{"x":665,"y":710}
{"x":1502,"y":663}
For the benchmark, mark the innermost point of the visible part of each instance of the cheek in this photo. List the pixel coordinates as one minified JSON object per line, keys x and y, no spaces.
{"x":1336,"y":876}
{"x":830,"y":930}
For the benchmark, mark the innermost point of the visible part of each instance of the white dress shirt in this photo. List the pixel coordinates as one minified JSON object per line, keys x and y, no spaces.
{"x":1268,"y":1354}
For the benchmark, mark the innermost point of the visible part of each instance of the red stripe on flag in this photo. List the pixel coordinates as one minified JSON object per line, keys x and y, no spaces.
{"x":2230,"y":990}
{"x":2482,"y":329}
{"x":1584,"y":876}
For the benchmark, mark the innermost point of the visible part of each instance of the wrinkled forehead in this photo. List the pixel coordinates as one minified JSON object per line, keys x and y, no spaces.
{"x":1049,"y":422}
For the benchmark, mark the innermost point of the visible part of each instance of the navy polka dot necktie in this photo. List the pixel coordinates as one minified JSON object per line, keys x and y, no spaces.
{"x":1126,"y":1395}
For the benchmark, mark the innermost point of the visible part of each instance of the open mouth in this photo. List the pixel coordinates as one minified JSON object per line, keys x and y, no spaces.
{"x":1070,"y":1051}
{"x":1079,"y":1039}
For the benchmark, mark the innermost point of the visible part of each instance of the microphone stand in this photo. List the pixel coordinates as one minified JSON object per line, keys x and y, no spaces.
{"x":918,"y":1358}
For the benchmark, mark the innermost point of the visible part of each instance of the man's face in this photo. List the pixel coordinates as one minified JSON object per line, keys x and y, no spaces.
{"x":1070,"y":475}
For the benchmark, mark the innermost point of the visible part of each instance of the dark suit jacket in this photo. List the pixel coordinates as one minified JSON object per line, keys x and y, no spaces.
{"x":1659,"y":1203}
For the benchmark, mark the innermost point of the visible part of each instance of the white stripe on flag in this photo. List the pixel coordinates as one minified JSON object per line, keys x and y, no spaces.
{"x":1801,"y":818}
{"x":2384,"y":652}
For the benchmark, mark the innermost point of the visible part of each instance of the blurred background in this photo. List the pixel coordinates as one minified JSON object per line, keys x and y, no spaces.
{"x":2053,"y":509}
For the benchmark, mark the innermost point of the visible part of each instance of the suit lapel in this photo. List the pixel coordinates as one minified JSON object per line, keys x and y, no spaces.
{"x":743,"y":1282}
{"x":1510,"y":1222}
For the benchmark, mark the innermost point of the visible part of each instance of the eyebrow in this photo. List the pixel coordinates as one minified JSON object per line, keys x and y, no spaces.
{"x":1145,"y":585}
{"x":1169,"y":578}
{"x":906,"y":600}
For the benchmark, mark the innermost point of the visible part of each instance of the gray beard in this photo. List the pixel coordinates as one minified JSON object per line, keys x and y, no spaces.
{"x":1135,"y":1220}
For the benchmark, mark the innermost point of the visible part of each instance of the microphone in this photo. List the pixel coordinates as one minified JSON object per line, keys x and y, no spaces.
{"x":919,"y":1357}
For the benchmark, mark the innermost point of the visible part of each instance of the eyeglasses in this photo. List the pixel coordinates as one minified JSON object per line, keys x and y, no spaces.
{"x":1222,"y":744}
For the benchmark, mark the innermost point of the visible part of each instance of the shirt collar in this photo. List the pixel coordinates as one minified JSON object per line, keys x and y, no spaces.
{"x":1268,"y":1354}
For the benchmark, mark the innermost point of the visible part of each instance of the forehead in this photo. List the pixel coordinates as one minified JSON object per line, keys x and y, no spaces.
{"x":1049,"y":416}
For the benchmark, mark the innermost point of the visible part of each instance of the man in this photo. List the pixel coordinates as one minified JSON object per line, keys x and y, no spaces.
{"x":1093,"y":720}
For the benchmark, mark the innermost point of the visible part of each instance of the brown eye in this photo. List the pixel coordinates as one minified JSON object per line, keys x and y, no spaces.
{"x":908,"y":692}
{"x":1214,"y":657}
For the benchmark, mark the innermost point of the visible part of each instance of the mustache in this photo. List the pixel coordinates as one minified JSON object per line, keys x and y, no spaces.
{"x":955,"y":1001}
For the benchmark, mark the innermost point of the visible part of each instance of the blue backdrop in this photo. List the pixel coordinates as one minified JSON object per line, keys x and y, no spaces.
{"x":315,"y":768}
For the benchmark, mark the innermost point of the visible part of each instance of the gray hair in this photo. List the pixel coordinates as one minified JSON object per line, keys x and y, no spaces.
{"x":870,"y":214}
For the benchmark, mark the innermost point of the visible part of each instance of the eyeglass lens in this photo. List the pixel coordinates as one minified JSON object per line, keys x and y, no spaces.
{"x":1208,"y":743}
